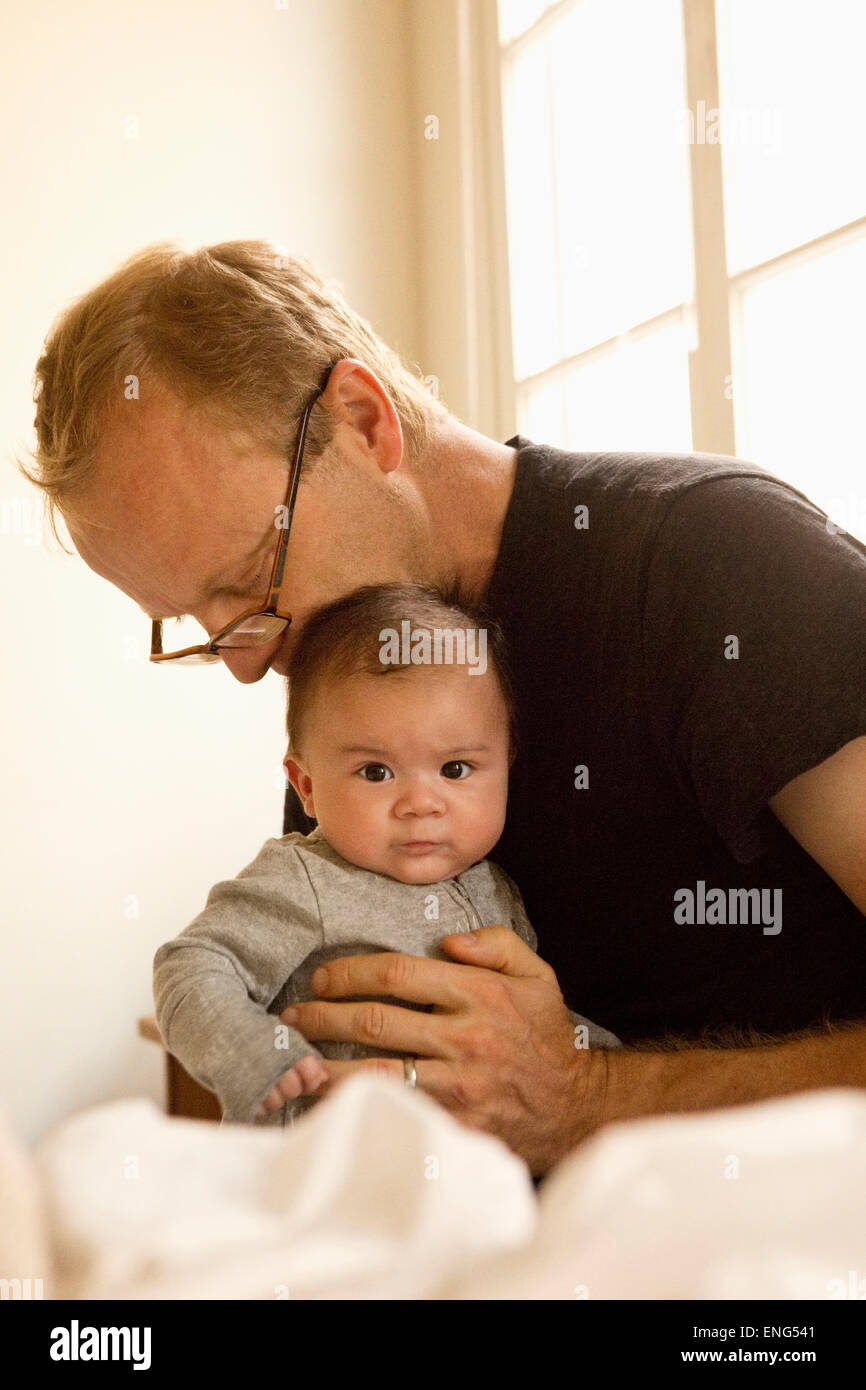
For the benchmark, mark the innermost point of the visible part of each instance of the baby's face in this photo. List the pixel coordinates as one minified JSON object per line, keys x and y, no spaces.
{"x":407,"y":775}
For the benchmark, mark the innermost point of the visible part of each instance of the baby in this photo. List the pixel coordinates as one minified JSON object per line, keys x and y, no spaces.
{"x":401,"y":731}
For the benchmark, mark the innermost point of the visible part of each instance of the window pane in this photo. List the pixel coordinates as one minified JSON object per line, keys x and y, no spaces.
{"x":541,"y":414}
{"x":530,"y":208}
{"x":515,"y":16}
{"x":633,"y":396}
{"x":791,"y":126}
{"x":596,"y":177}
{"x":621,"y":167}
{"x":800,"y":365}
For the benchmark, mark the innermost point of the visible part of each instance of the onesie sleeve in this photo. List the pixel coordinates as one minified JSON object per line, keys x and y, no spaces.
{"x":213,"y":984}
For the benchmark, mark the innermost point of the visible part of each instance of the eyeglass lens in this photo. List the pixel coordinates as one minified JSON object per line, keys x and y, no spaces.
{"x":254,"y":631}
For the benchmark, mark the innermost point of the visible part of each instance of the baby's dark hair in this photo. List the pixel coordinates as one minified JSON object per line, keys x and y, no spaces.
{"x":344,"y":638}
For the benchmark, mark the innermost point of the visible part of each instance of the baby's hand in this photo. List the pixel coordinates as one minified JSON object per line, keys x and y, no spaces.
{"x":303,"y":1078}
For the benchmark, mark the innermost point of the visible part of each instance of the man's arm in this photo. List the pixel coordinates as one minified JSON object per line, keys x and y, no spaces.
{"x":643,"y":1081}
{"x":825,"y":810}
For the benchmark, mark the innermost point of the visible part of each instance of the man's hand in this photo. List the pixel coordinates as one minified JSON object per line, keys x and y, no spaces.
{"x":497,"y":1051}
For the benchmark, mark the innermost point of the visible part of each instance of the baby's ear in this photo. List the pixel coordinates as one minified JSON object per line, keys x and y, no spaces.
{"x":300,"y":780}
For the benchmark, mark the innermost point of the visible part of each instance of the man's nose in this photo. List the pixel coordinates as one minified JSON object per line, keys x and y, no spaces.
{"x":248,"y":664}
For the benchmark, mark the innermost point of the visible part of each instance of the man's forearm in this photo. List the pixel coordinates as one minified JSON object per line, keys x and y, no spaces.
{"x":636,"y":1082}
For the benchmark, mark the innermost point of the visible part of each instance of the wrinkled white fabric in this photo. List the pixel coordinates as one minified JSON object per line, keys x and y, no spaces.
{"x":24,"y":1246}
{"x":375,"y":1194}
{"x":379,"y":1193}
{"x":756,"y":1201}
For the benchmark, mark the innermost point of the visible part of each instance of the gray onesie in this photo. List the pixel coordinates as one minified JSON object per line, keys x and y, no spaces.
{"x":221,"y":985}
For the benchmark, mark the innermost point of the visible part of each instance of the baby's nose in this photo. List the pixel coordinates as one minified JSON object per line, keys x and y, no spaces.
{"x":419,"y":798}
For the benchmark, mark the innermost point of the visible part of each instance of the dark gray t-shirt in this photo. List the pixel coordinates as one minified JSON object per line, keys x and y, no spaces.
{"x":619,"y":632}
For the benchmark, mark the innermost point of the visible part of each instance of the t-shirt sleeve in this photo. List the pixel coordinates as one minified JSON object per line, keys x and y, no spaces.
{"x":754,"y":647}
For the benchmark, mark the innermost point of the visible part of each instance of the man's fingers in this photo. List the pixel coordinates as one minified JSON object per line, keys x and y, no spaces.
{"x":424,"y":981}
{"x":385,"y":1027}
{"x":441,"y":1080}
{"x":498,"y":948}
{"x":415,"y":978}
{"x":391,"y":1068}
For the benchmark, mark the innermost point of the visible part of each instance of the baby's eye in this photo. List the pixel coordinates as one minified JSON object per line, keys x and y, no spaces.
{"x":380,"y":773}
{"x":455,"y":776}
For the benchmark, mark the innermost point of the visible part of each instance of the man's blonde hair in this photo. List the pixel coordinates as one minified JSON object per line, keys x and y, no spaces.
{"x":237,"y":331}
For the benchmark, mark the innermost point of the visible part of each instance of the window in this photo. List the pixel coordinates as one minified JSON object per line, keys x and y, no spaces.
{"x":686,"y":207}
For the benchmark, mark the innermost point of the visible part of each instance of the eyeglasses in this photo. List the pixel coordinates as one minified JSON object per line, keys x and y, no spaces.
{"x":257,"y":626}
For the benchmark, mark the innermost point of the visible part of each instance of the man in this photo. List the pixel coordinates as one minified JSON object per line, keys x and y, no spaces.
{"x":687,"y":816}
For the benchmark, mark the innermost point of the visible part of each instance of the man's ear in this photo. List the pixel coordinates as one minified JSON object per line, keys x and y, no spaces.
{"x":301,"y":781}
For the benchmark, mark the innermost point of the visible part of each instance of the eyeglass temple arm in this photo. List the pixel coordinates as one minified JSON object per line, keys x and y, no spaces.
{"x":279,"y":566}
{"x":277,"y":582}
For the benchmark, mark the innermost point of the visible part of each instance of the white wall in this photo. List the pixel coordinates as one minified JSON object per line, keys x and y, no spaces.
{"x":127,"y":788}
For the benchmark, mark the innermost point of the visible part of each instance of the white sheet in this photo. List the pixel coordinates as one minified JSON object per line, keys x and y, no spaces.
{"x":378,"y":1193}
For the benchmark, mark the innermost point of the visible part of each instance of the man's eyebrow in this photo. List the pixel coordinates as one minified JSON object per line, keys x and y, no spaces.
{"x":216,"y":587}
